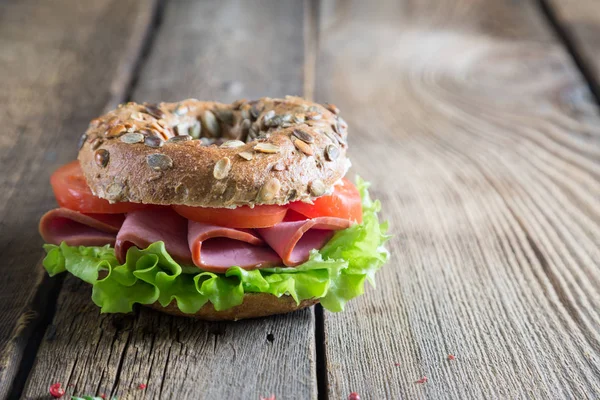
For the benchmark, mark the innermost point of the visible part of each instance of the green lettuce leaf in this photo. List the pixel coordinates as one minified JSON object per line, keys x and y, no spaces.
{"x":335,"y":274}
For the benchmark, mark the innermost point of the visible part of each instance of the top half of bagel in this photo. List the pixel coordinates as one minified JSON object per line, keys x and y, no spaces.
{"x":200,"y":153}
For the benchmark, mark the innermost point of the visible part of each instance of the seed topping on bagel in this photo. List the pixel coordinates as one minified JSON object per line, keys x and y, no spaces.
{"x":266,"y":151}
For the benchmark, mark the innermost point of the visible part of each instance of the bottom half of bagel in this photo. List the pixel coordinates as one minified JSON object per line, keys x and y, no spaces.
{"x":255,"y":305}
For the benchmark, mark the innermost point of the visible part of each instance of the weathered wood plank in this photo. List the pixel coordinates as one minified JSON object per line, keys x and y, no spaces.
{"x":57,"y":64}
{"x":225,"y":51}
{"x":463,"y":115}
{"x":580,"y":22}
{"x":220,"y":50}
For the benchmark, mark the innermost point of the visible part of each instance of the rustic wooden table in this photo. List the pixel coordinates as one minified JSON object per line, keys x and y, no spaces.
{"x":477,"y":122}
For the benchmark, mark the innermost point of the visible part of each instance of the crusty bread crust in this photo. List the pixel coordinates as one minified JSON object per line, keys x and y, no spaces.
{"x":269,"y":151}
{"x":255,"y":305}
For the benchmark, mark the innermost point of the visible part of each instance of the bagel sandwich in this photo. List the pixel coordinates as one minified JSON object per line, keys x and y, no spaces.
{"x":216,"y":211}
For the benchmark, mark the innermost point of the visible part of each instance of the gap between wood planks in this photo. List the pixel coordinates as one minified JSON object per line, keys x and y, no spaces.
{"x":566,"y":39}
{"x":311,"y":50}
{"x":44,"y":307}
{"x":44,"y":303}
{"x":321,"y":354}
{"x":146,"y":49}
{"x":129,"y":86}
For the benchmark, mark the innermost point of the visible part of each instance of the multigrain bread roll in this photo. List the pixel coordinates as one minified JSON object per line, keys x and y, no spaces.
{"x":269,"y":151}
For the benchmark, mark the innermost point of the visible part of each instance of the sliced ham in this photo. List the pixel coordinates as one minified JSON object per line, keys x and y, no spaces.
{"x":78,"y":229}
{"x":144,"y":227}
{"x":293,"y":240}
{"x":211,"y":248}
{"x":216,"y":248}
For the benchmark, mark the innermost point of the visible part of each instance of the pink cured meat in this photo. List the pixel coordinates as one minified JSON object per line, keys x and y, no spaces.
{"x":78,"y":229}
{"x":293,"y":240}
{"x":209,"y":247}
{"x":144,"y":227}
{"x":216,"y":248}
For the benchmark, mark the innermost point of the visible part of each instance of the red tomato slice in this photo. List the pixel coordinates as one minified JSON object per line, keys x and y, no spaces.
{"x":72,"y":191}
{"x":343,"y":203}
{"x":240,"y":217}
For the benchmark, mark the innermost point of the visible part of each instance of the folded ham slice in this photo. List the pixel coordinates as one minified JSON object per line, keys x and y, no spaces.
{"x":216,"y":248}
{"x":78,"y":229}
{"x":144,"y":227}
{"x":293,"y":240}
{"x":209,"y":247}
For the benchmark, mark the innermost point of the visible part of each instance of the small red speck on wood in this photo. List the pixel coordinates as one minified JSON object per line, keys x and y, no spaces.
{"x":103,"y":395}
{"x":451,"y":357}
{"x":142,"y":386}
{"x":56,"y":391}
{"x":353,"y":396}
{"x":272,"y":397}
{"x":397,"y":364}
{"x":422,"y":380}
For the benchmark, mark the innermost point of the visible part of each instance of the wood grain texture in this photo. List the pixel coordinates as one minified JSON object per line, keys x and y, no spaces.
{"x":175,"y":357}
{"x":57,"y":62}
{"x":219,"y":50}
{"x":479,"y":137}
